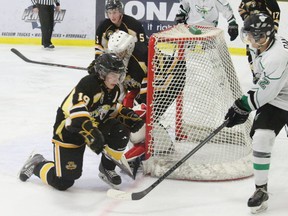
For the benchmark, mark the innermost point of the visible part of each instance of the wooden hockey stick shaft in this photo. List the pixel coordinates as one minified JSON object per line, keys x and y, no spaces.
{"x":20,"y":55}
{"x":122,"y":195}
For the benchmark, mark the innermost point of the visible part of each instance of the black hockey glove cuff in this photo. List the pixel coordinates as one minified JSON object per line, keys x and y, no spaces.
{"x":93,"y":137}
{"x":180,"y":18}
{"x":91,"y":68}
{"x":236,"y":114}
{"x":128,"y":117}
{"x":233,"y":30}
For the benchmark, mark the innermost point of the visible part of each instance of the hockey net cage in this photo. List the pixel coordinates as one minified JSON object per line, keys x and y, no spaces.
{"x":191,"y":85}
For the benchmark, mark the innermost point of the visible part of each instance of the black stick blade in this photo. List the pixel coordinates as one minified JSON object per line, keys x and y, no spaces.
{"x":20,"y":55}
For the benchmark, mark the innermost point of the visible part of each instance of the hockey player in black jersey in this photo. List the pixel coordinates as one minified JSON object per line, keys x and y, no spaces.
{"x":89,"y":116}
{"x":117,"y":20}
{"x":135,"y":57}
{"x":269,"y":7}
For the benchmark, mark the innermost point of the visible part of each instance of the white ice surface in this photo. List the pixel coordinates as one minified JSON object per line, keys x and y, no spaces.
{"x":29,"y":97}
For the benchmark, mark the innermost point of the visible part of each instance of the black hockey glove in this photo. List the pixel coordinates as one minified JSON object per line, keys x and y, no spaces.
{"x":130,"y":119}
{"x":180,"y":18}
{"x":91,"y":68}
{"x":93,"y":137}
{"x":236,"y":114}
{"x":233,"y":30}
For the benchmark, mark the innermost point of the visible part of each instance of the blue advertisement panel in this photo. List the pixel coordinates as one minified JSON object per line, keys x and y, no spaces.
{"x":154,"y":15}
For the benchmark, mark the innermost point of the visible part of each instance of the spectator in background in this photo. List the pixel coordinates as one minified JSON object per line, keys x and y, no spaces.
{"x":45,"y":9}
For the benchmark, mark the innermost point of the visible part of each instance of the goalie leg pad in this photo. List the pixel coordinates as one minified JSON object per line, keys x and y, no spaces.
{"x":169,"y":146}
{"x":136,"y":151}
{"x":138,"y":136}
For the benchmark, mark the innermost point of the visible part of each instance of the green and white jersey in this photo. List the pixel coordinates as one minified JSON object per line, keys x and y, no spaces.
{"x":205,"y":12}
{"x":272,"y":87}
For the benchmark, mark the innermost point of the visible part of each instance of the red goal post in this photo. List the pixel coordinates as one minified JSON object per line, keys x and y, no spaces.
{"x":191,"y":84}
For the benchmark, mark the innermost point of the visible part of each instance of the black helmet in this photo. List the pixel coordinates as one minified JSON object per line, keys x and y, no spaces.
{"x":259,"y":25}
{"x":114,"y":4}
{"x":107,"y":63}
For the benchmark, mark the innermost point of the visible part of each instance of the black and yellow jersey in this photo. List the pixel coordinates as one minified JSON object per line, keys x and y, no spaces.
{"x":89,"y":100}
{"x":136,"y":67}
{"x":106,"y":28}
{"x":269,"y":7}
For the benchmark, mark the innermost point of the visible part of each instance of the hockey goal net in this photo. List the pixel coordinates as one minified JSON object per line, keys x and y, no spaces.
{"x":191,"y":85}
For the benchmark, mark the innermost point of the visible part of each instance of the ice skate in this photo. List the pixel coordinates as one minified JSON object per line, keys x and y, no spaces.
{"x":258,"y":201}
{"x":49,"y":47}
{"x":28,"y":168}
{"x":109,"y":176}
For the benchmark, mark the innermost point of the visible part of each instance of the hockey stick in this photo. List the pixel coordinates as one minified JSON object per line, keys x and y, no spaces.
{"x":122,"y":164}
{"x":122,"y":195}
{"x":20,"y":55}
{"x":286,"y":129}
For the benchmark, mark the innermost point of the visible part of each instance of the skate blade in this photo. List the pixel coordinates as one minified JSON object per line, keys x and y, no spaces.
{"x":21,"y":175}
{"x":258,"y":209}
{"x":104,"y":179}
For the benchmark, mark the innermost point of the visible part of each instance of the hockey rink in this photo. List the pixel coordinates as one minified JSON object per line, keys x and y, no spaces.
{"x":30,"y":95}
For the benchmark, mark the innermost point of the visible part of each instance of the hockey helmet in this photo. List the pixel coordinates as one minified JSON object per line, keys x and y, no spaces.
{"x":114,"y":4}
{"x":109,"y":63}
{"x":258,"y":26}
{"x":122,"y":44}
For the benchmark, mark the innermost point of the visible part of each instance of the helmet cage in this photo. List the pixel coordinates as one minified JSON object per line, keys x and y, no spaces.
{"x":109,"y":63}
{"x":257,"y":36}
{"x":257,"y":27}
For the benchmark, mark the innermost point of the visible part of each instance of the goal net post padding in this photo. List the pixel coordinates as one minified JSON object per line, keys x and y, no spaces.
{"x":191,"y":85}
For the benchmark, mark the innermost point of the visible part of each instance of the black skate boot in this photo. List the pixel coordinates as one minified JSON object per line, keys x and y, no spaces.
{"x":109,"y":176}
{"x":258,"y":201}
{"x":28,"y":168}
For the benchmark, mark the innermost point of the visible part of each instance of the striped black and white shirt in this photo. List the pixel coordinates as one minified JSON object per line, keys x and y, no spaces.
{"x":46,"y":2}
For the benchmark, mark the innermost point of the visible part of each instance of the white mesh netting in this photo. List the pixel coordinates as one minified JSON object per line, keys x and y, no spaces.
{"x":191,"y":85}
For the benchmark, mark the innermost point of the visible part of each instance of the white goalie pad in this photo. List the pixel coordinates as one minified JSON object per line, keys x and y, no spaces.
{"x":161,"y":135}
{"x":138,"y":136}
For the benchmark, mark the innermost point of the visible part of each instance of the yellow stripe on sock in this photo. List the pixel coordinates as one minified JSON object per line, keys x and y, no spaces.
{"x":44,"y":170}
